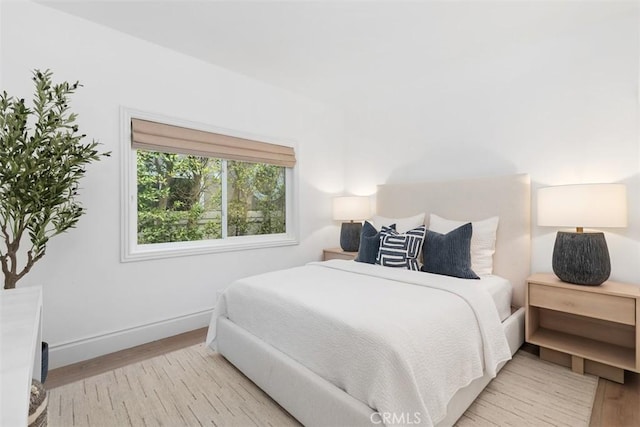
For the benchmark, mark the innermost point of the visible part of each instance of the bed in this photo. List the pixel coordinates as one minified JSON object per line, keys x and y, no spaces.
{"x":335,"y":344}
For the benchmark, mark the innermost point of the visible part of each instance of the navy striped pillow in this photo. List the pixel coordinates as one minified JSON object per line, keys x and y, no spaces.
{"x":400,"y":250}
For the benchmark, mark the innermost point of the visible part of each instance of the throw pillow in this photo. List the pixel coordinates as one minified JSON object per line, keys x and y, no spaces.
{"x":369,"y":243}
{"x":483,"y":241}
{"x":449,"y":254}
{"x":400,"y":250}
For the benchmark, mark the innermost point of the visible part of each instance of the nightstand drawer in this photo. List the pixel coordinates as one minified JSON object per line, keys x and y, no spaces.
{"x":599,"y":306}
{"x":337,"y":253}
{"x":347,"y":256}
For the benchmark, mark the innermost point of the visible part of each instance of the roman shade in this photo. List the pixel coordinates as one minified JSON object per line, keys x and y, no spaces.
{"x":153,"y":136}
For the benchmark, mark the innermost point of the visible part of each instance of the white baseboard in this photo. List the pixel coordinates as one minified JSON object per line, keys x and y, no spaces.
{"x":66,"y":353}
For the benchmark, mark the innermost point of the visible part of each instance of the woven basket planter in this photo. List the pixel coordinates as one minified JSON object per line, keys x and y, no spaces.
{"x":37,"y":405}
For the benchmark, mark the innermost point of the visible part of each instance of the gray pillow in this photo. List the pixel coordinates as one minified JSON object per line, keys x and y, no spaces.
{"x":449,"y":254}
{"x":369,"y":243}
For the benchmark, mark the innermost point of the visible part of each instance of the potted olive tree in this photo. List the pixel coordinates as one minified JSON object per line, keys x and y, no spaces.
{"x":42,"y":159}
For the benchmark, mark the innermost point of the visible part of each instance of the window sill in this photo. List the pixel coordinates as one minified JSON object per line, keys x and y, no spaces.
{"x":179,"y":249}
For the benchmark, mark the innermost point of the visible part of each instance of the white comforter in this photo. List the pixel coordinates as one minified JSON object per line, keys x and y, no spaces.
{"x":403,"y":342}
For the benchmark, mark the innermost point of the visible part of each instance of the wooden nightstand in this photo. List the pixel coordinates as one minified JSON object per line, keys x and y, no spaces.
{"x":337,"y":253}
{"x":592,"y":329}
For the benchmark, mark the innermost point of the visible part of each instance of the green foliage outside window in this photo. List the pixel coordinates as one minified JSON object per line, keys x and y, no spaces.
{"x":180,"y":198}
{"x":269,"y":192}
{"x":172,"y":206}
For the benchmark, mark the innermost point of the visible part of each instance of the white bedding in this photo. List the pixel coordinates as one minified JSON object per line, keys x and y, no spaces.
{"x":501,"y":292}
{"x":376,"y":332}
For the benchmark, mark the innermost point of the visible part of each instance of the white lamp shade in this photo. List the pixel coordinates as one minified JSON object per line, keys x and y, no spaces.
{"x":583,"y":205}
{"x":351,"y":208}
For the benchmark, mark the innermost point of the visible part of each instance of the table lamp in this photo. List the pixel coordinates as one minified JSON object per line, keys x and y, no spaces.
{"x":350,"y":208}
{"x":582,"y":257}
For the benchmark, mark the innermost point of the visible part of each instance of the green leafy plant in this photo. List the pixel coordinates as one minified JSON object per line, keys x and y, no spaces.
{"x":180,"y":198}
{"x":171,"y":202}
{"x":42,"y":159}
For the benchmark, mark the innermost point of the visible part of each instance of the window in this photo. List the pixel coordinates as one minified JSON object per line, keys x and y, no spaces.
{"x":190,"y":190}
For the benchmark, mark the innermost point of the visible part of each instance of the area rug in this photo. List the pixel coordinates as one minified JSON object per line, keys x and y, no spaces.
{"x":532,"y":392}
{"x":196,"y":387}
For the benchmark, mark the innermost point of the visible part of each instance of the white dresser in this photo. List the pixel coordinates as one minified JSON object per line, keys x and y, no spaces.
{"x":20,"y":351}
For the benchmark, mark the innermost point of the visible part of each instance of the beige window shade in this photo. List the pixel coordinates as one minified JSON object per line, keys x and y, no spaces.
{"x":148,"y":135}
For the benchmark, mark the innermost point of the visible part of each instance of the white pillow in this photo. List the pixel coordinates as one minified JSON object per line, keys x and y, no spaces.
{"x":402,"y":224}
{"x":483,"y":240}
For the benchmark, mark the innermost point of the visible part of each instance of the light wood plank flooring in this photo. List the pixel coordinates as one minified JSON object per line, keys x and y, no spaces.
{"x":99,"y":365}
{"x":615,"y":405}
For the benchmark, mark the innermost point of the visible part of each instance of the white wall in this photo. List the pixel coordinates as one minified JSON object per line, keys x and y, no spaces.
{"x":93,"y":304}
{"x":546,"y":88}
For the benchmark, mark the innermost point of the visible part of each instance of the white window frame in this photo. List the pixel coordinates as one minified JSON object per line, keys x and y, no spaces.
{"x":132,"y":251}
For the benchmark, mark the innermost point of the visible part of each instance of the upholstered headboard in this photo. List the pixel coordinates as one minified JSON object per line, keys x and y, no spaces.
{"x":508,"y":197}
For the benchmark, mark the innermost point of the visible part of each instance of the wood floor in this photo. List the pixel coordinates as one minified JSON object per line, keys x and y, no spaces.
{"x":615,"y":405}
{"x":102,"y":364}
